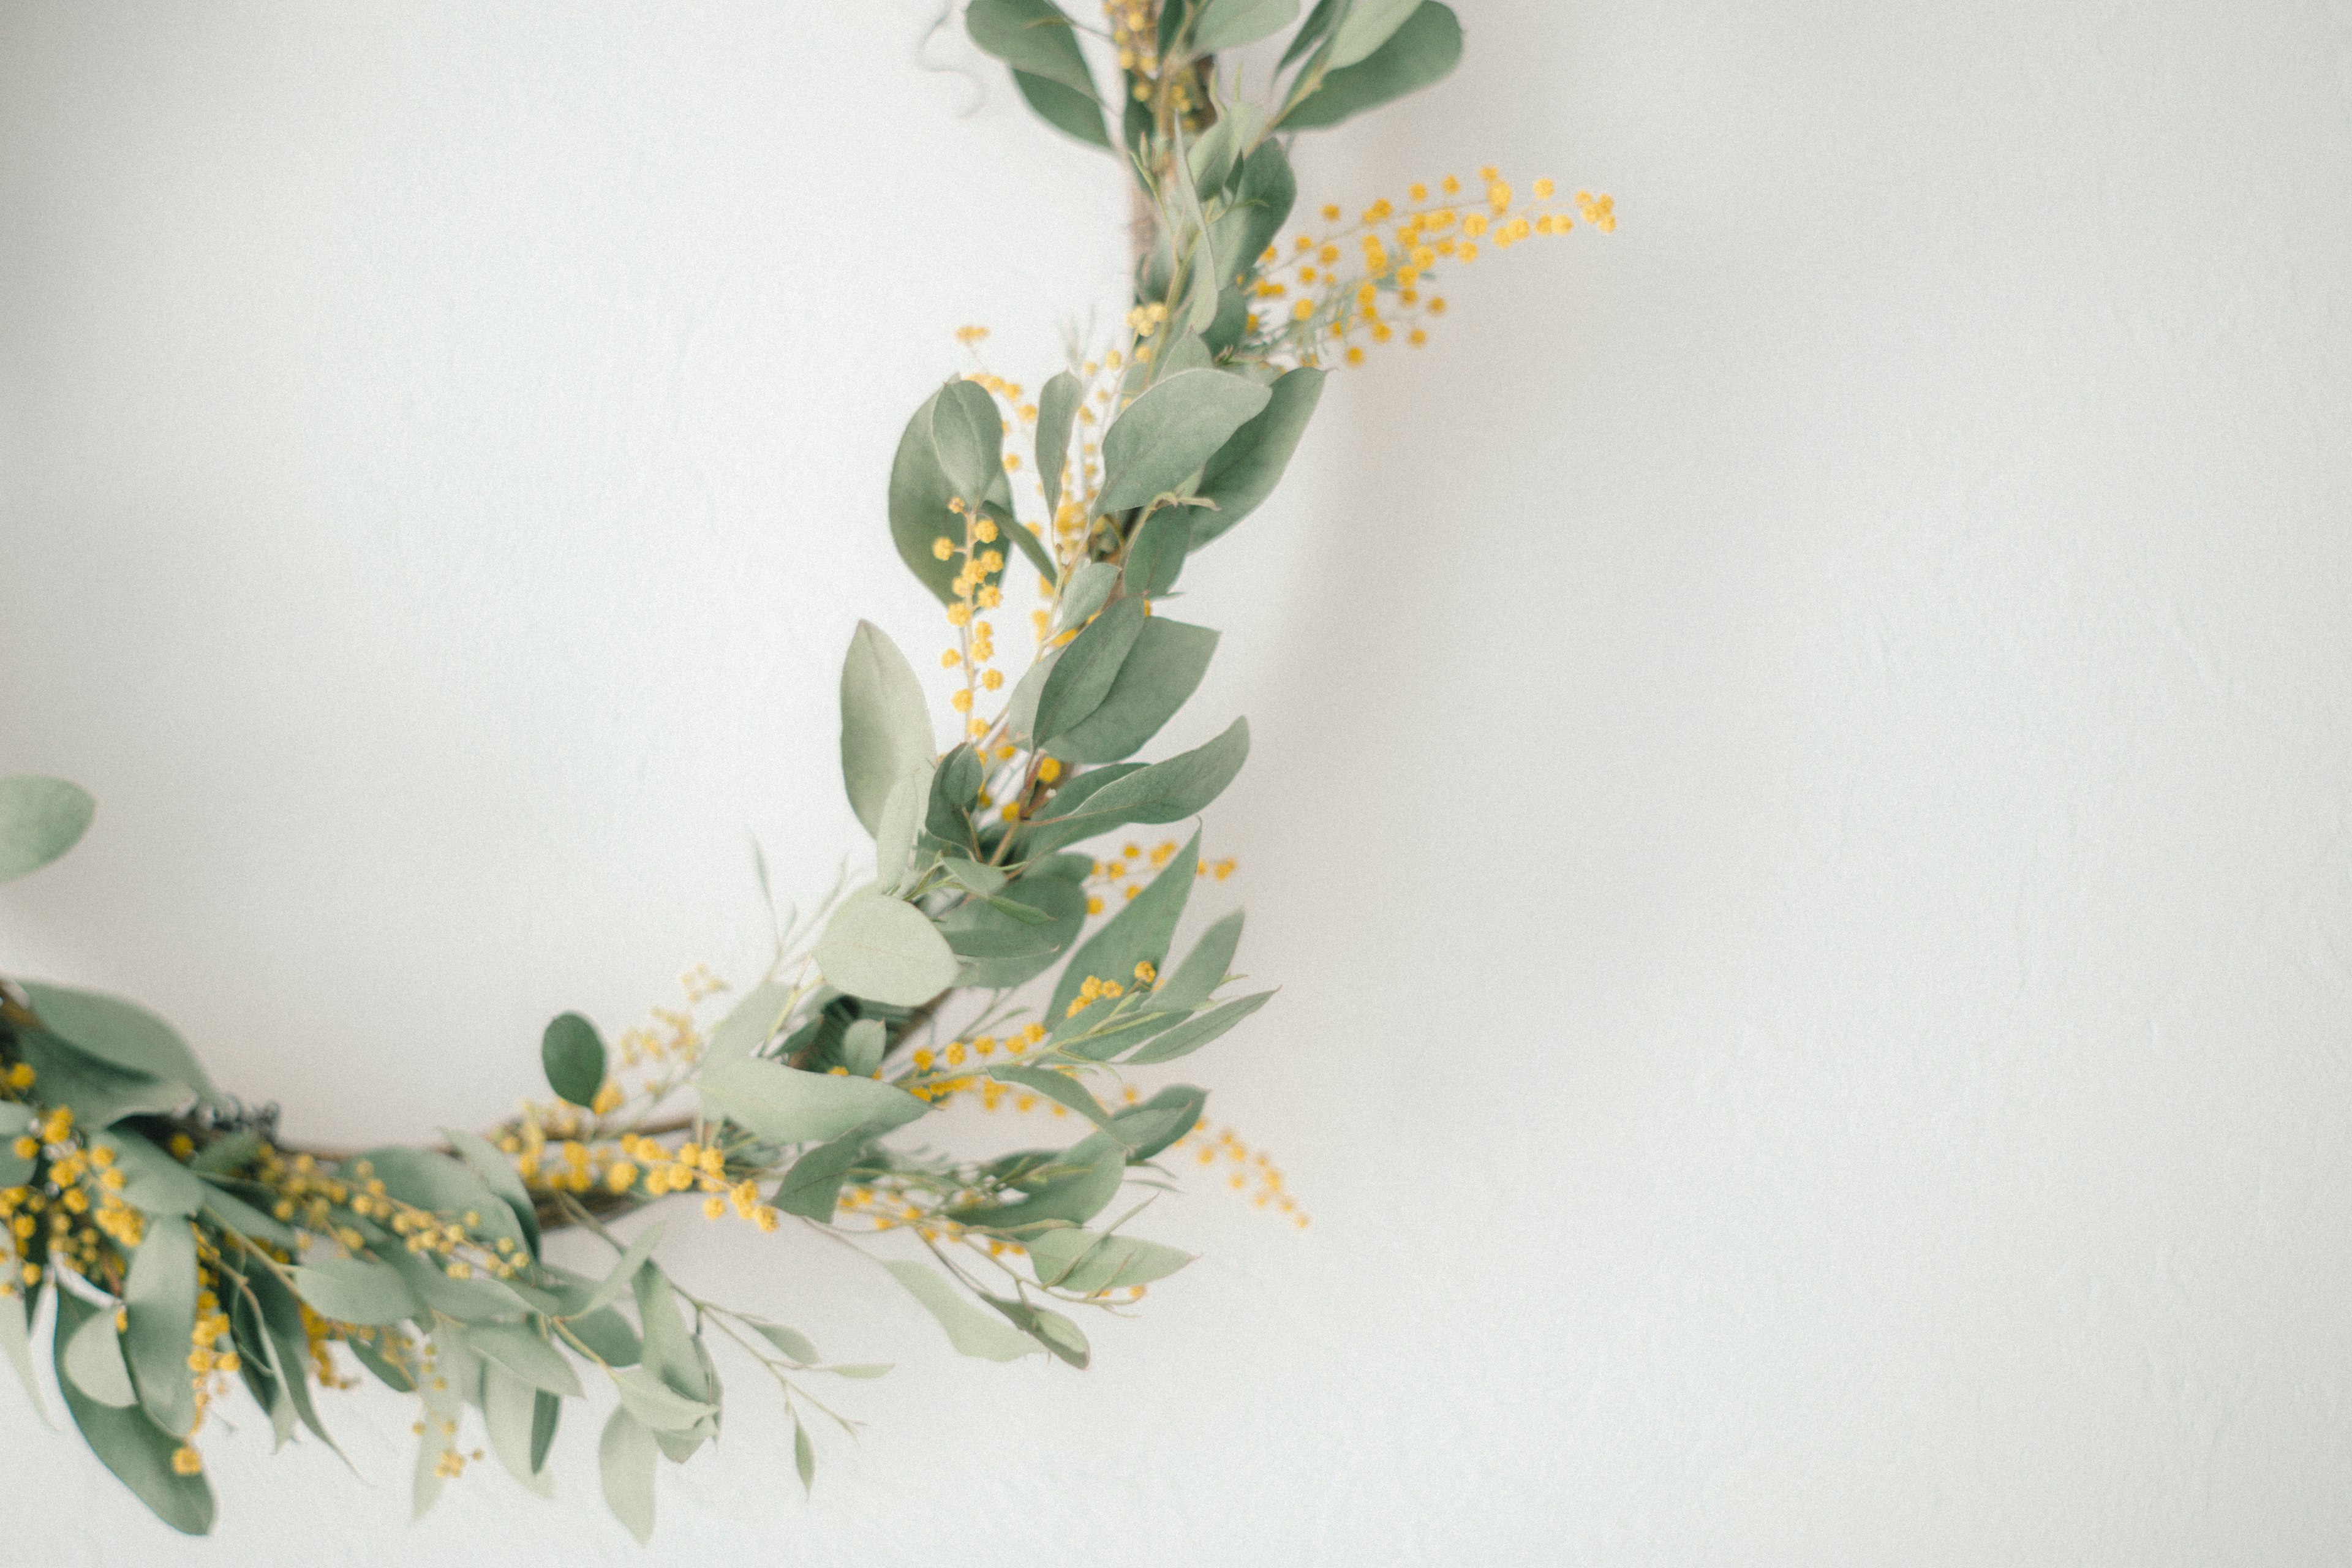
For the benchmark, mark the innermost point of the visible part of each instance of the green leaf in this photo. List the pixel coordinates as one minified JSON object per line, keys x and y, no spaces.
{"x":901,"y":820}
{"x":499,"y":1176}
{"x":1091,"y":1169}
{"x":1245,"y":469}
{"x":40,"y":819}
{"x":1084,"y":674}
{"x":546,"y":1413}
{"x":1419,"y":52}
{"x":655,"y":1403}
{"x":1191,"y":1035}
{"x":1064,"y":109}
{"x":794,"y":1344}
{"x":1058,"y":1086}
{"x":16,"y":1170}
{"x":1089,"y":587}
{"x":1318,"y":27}
{"x":1139,"y":933}
{"x":94,"y":1361}
{"x":1022,"y":951}
{"x":885,"y":729}
{"x":128,"y":1443}
{"x":153,"y":1182}
{"x":1084,"y":1263}
{"x":627,"y":1456}
{"x":862,"y":1046}
{"x":1179,"y":788}
{"x":862,"y":1371}
{"x":1057,"y":412}
{"x":1166,"y":435}
{"x":803,"y":1458}
{"x":972,"y":877}
{"x":97,"y":1092}
{"x":17,"y":1343}
{"x":786,"y":1105}
{"x":437,"y":1182}
{"x":811,"y":1186}
{"x":509,"y":1409}
{"x":160,"y":1299}
{"x":919,"y":494}
{"x":1261,"y":203}
{"x":955,"y":789}
{"x":1230,"y":24}
{"x":886,"y":951}
{"x":1048,"y":1327}
{"x":1031,"y":35}
{"x":1161,"y":671}
{"x":392,"y":1374}
{"x":572,"y":1053}
{"x":1368,"y":25}
{"x":281,"y":1317}
{"x":607,"y":1336}
{"x":750,"y":1023}
{"x":968,"y":439}
{"x":121,"y":1033}
{"x":226,"y":1211}
{"x":624,"y":1270}
{"x":356,"y":1291}
{"x":672,"y":1354}
{"x":1156,"y":556}
{"x":230,"y":1152}
{"x":523,"y":1353}
{"x":1204,"y":969}
{"x":971,"y":1331}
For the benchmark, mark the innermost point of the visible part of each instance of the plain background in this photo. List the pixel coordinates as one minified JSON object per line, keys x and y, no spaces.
{"x":1799,"y":802}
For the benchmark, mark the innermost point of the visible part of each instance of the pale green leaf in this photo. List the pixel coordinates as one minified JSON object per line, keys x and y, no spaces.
{"x":1165,"y":436}
{"x":94,"y":1361}
{"x":787,"y":1105}
{"x":862,"y":1046}
{"x":161,"y":1299}
{"x":1083,"y":1262}
{"x":1031,"y":35}
{"x":510,"y":1410}
{"x":1191,"y":1035}
{"x":624,"y":1270}
{"x":971,"y":1330}
{"x":1086,"y":669}
{"x":803,"y":1457}
{"x":627,"y":1456}
{"x":356,"y":1291}
{"x":1419,"y":52}
{"x":1139,"y":933}
{"x":1161,"y":671}
{"x":656,"y":1404}
{"x":1368,"y":25}
{"x":1057,"y":411}
{"x":1245,"y":469}
{"x":127,"y":1442}
{"x":498,"y":1174}
{"x":968,"y":439}
{"x":40,"y":819}
{"x":895,"y":833}
{"x":886,"y":728}
{"x":1204,"y":969}
{"x":886,"y":951}
{"x":1163,"y":792}
{"x":121,"y":1033}
{"x":1230,"y":24}
{"x":523,"y":1353}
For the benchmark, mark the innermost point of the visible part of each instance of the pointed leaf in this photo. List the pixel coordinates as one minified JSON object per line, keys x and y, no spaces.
{"x":357,"y":1290}
{"x":126,"y":1442}
{"x":1191,"y":1035}
{"x":885,"y":727}
{"x":885,"y":950}
{"x":1166,"y":435}
{"x":1419,"y":52}
{"x":161,"y":1299}
{"x":626,"y":1455}
{"x":1245,"y":469}
{"x":40,"y":819}
{"x":971,"y":1330}
{"x":787,"y":1105}
{"x":1139,"y":933}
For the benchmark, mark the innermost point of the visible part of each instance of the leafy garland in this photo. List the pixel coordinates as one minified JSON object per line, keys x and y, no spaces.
{"x":187,"y":1248}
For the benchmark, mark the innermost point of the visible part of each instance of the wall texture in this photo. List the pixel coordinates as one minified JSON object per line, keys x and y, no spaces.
{"x":1800,"y":799}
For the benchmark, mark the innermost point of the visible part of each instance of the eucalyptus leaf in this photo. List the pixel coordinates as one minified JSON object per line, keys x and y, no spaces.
{"x":803,"y":1457}
{"x":16,"y":1120}
{"x":886,"y":726}
{"x":795,"y":1345}
{"x":901,"y":820}
{"x":96,"y":1091}
{"x":1087,"y":667}
{"x":1057,"y":411}
{"x":1031,"y":35}
{"x":1191,"y":1035}
{"x":121,"y":1033}
{"x":40,"y":819}
{"x":627,"y":1456}
{"x":1245,"y":469}
{"x":971,"y":1330}
{"x":499,"y":1176}
{"x":290,"y":1341}
{"x":885,"y":950}
{"x":968,"y":439}
{"x":1048,"y":1327}
{"x":750,"y":1023}
{"x":447,"y":1188}
{"x":1002,"y":949}
{"x":1368,"y":25}
{"x":523,"y":1353}
{"x":862,"y":1047}
{"x":1165,"y":436}
{"x":160,"y":1298}
{"x":546,"y":1414}
{"x":1139,"y":933}
{"x":1204,"y":969}
{"x":509,"y":1409}
{"x":127,"y":1442}
{"x":811,"y":1186}
{"x":1418,"y":53}
{"x":789,"y":1106}
{"x":153,"y":1182}
{"x":625,"y":1269}
{"x":356,"y":1291}
{"x":1058,"y":1086}
{"x":1150,"y":1128}
{"x":1161,"y":671}
{"x":1156,"y":556}
{"x":1230,"y":24}
{"x":94,"y":1362}
{"x":607,"y":1336}
{"x":919,"y":497}
{"x":1163,"y":792}
{"x":1089,"y":587}
{"x":655,"y":1403}
{"x":1092,"y":1169}
{"x":16,"y":1314}
{"x":1064,"y":109}
{"x":1085,"y":1263}
{"x":572,"y":1053}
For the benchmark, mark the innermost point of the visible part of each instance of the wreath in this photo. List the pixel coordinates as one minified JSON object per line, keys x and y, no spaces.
{"x":190,"y":1250}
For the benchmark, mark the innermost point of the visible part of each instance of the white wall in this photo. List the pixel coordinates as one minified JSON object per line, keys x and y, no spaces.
{"x":1800,"y":790}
